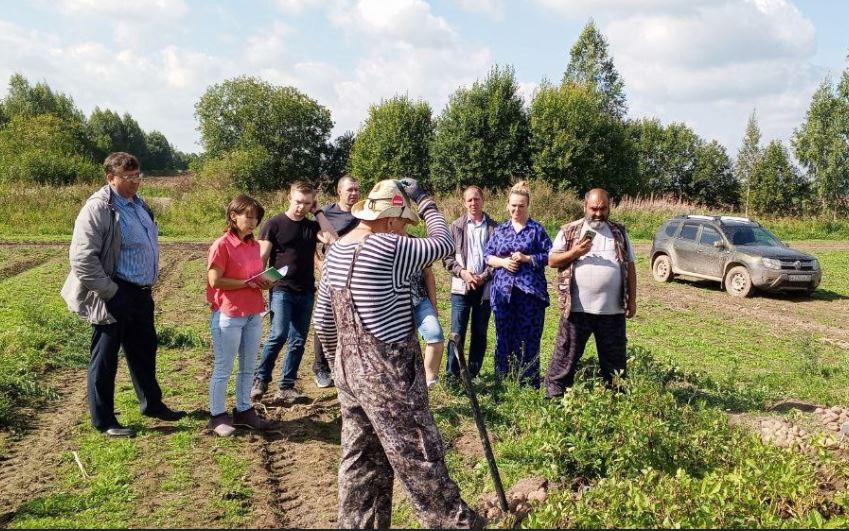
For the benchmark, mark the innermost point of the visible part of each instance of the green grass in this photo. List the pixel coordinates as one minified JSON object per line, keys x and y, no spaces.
{"x":661,"y":455}
{"x":194,"y":478}
{"x":835,"y":274}
{"x":82,"y":503}
{"x":748,"y":353}
{"x":37,"y":336}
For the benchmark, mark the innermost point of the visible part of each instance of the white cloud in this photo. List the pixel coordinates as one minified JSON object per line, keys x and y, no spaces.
{"x":158,"y":89}
{"x":400,"y":21}
{"x":527,"y":90}
{"x":402,"y":48}
{"x":727,"y":33}
{"x":409,"y":50}
{"x":578,"y":9}
{"x":713,"y":62}
{"x":706,"y":62}
{"x":268,"y":45}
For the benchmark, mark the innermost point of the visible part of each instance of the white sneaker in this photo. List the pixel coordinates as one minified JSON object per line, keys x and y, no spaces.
{"x":323,"y":379}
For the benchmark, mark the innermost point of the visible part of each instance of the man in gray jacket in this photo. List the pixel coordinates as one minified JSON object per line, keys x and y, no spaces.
{"x":114,"y":258}
{"x":470,"y":280}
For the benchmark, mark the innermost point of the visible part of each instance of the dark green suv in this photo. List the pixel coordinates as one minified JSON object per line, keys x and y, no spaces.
{"x":739,"y":253}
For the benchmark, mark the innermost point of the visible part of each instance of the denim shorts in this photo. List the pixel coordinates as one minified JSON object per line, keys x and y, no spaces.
{"x":427,"y":323}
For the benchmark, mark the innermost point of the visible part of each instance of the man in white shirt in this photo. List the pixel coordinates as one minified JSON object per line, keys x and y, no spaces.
{"x":597,"y":290}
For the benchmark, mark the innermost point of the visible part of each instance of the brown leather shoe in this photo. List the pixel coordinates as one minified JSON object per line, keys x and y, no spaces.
{"x":250,"y":419}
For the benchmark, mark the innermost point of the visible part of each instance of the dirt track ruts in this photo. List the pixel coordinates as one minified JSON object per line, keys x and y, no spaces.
{"x":30,"y":465}
{"x":302,"y":461}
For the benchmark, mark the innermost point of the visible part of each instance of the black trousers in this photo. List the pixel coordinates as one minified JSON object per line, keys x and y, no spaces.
{"x":572,"y":336}
{"x":134,"y":330}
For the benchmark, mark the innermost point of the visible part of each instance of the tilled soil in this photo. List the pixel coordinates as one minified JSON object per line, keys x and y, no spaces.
{"x":28,"y":468}
{"x":302,"y":462}
{"x":822,"y":427}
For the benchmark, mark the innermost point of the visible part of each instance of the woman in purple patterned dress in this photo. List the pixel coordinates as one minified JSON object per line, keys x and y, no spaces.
{"x":518,"y":254}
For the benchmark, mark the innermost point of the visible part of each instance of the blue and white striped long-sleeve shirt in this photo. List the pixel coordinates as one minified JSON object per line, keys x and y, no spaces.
{"x":139,"y":259}
{"x":380,"y":283}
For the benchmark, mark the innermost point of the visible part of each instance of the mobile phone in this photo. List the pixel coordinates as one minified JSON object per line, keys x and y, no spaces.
{"x":589,"y":235}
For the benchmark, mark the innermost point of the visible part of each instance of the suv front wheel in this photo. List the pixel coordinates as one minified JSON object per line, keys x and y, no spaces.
{"x":661,"y":269}
{"x":738,"y":282}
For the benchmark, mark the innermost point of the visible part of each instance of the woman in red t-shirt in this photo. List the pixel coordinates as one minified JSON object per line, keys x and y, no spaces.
{"x":237,"y":307}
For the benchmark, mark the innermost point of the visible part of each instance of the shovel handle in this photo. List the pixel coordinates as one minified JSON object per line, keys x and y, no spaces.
{"x":476,"y":411}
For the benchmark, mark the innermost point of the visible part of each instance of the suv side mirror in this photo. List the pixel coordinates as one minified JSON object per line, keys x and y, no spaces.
{"x":718,"y":244}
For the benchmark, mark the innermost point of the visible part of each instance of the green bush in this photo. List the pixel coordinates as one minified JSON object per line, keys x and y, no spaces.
{"x":248,"y":169}
{"x":45,"y":150}
{"x":282,"y":131}
{"x":44,"y":167}
{"x":394,"y":141}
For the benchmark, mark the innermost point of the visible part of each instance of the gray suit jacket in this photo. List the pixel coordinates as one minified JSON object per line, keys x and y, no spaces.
{"x":94,"y":251}
{"x":461,"y":248}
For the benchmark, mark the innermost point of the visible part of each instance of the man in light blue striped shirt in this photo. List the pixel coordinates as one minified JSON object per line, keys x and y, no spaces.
{"x":114,"y":263}
{"x":138,"y":262}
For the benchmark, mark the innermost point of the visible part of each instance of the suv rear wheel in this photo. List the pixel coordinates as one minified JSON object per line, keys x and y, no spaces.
{"x":738,"y":283}
{"x":661,"y":268}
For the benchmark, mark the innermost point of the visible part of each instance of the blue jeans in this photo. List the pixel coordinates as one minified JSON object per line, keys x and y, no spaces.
{"x":427,"y":322}
{"x":290,"y":320}
{"x":462,"y":307}
{"x":232,"y":336}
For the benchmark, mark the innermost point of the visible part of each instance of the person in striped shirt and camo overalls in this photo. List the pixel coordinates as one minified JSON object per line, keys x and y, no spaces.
{"x":364,"y":314}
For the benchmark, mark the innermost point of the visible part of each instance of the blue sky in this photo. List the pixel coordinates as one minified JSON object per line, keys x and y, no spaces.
{"x":707,"y":63}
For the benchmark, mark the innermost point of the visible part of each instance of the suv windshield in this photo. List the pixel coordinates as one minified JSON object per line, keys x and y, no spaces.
{"x":750,"y":236}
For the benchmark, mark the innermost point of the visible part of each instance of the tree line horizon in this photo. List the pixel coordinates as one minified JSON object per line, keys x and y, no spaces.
{"x":573,"y":135}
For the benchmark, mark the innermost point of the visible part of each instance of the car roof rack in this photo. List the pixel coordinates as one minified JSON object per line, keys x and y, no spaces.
{"x":739,"y":219}
{"x":719,"y":219}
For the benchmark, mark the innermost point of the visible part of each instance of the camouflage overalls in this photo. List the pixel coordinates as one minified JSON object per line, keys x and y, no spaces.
{"x":387,"y":428}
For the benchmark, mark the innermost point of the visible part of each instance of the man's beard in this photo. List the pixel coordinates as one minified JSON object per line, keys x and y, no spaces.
{"x":595,"y":223}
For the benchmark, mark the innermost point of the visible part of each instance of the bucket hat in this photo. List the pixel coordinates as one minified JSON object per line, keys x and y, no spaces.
{"x":386,"y":200}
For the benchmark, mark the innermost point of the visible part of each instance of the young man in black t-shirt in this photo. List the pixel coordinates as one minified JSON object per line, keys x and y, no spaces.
{"x":289,"y":239}
{"x":340,"y":217}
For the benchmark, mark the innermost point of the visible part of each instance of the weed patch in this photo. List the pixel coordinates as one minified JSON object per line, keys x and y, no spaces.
{"x":649,"y":457}
{"x":181,"y":337}
{"x":37,"y":335}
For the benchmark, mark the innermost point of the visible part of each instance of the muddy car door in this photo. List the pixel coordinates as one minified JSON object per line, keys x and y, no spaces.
{"x":712,"y":253}
{"x":686,"y":248}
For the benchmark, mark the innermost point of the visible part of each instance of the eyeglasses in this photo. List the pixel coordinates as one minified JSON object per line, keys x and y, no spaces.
{"x":132,"y":178}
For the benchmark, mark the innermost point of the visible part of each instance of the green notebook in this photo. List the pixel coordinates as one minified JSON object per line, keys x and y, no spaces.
{"x":270,"y":274}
